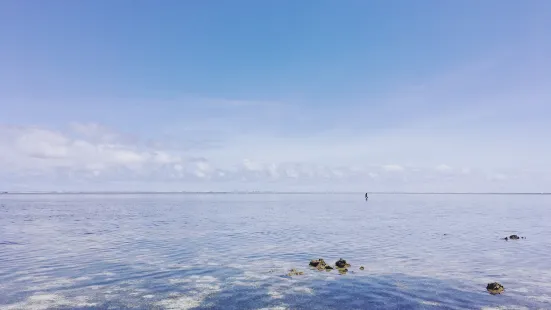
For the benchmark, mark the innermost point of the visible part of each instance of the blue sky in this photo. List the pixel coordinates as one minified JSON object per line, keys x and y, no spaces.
{"x":280,"y":95}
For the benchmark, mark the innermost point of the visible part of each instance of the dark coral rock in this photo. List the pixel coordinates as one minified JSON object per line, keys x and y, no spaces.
{"x":362,"y":268}
{"x":318,"y":263}
{"x":494,"y":288}
{"x":341,"y":263}
{"x":513,"y":237}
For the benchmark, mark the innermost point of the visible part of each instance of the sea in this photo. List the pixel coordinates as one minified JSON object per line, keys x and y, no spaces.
{"x":234,"y":251}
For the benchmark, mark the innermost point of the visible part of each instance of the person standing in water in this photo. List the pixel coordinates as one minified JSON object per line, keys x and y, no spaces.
{"x":365,"y":196}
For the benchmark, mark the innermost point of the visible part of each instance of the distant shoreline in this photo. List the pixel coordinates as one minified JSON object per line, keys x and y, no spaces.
{"x":260,"y":193}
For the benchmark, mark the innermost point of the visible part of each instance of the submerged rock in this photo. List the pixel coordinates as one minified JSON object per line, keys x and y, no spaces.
{"x":343,"y":270}
{"x":341,"y":263}
{"x":294,"y":272}
{"x":362,"y":268}
{"x":494,"y":288}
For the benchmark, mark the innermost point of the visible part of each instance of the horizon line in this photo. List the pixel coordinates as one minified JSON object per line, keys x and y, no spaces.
{"x":271,"y":192}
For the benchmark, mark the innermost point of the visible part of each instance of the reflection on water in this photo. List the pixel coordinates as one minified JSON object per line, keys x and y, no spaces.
{"x":178,"y":251}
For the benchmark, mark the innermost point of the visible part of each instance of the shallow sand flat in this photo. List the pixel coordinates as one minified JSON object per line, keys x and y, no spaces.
{"x":234,"y":251}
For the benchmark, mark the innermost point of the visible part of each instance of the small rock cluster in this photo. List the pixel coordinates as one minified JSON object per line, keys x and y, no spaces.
{"x":341,"y":265}
{"x":320,"y":264}
{"x":513,"y":237}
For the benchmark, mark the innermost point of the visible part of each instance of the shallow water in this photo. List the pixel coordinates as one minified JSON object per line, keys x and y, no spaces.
{"x":229,"y":251}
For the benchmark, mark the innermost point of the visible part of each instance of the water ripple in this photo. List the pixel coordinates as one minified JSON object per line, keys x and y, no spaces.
{"x":232,"y":251}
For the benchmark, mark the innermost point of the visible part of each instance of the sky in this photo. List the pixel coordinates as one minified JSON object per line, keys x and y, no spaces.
{"x":275,"y":95}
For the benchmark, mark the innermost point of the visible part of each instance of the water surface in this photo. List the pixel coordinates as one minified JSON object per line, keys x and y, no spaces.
{"x":229,"y":251}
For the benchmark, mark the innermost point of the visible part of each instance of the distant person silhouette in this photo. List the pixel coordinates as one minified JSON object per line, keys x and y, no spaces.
{"x":365,"y":196}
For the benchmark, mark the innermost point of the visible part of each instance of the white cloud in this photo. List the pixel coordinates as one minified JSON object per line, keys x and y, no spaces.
{"x":94,"y":132}
{"x":291,"y":173}
{"x":42,"y":143}
{"x":273,"y":171}
{"x":393,"y":168}
{"x":32,"y":148}
{"x":498,"y":177}
{"x":33,"y":158}
{"x":443,"y":168}
{"x":465,"y":171}
{"x":162,"y":157}
{"x":203,"y":169}
{"x":252,"y":165}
